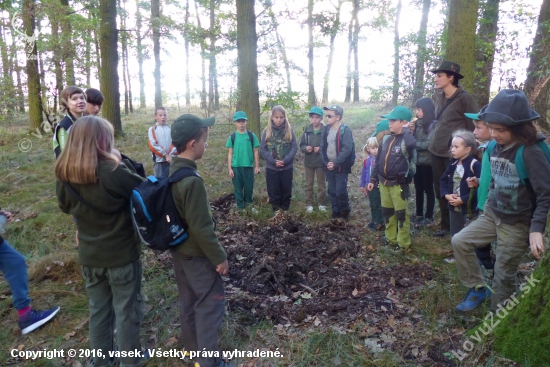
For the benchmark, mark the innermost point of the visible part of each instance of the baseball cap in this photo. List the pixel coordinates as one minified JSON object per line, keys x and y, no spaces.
{"x":317,"y":110}
{"x":186,"y":127}
{"x":339,"y":110}
{"x":240,"y":115}
{"x":399,"y":113}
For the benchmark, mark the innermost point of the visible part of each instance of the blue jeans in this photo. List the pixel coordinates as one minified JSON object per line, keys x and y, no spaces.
{"x":14,"y":268}
{"x":338,"y":190}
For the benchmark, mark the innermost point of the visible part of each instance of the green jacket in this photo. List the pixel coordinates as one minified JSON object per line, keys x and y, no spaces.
{"x":423,"y":157}
{"x":192,"y":203}
{"x":309,"y":138}
{"x":105,"y":241}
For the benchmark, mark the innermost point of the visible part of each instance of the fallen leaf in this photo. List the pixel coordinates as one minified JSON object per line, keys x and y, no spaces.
{"x":415,"y":351}
{"x":69,"y":335}
{"x":76,"y":363}
{"x":317,"y":322}
{"x":240,"y":257}
{"x":384,"y":308}
{"x":391,"y":321}
{"x":171,"y":341}
{"x":306,"y":295}
{"x":20,"y":346}
{"x":392,"y":281}
{"x":336,"y":361}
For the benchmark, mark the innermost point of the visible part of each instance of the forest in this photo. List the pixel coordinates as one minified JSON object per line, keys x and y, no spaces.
{"x":367,"y":306}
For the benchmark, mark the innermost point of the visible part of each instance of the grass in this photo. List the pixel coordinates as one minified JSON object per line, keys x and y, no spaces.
{"x":46,"y":238}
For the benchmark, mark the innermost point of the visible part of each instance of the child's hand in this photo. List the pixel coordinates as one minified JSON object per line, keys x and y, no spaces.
{"x":473,"y":182}
{"x":256,"y":170}
{"x":309,"y":149}
{"x":231,"y":174}
{"x":536,"y":243}
{"x":223,"y":268}
{"x":362,"y":189}
{"x":412,"y":124}
{"x":330,"y":166}
{"x":370,"y":186}
{"x":7,"y":214}
{"x":454,"y":200}
{"x":279,"y":163}
{"x":316,"y":150}
{"x":168,"y":158}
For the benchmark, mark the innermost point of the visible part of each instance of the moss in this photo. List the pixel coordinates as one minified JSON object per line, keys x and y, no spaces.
{"x":524,"y":334}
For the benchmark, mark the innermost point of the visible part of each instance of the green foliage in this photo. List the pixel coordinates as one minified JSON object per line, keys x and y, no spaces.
{"x":289,"y":100}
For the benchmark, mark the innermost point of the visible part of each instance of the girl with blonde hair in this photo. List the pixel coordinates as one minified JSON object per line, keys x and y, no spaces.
{"x":278,"y":147}
{"x":94,"y":186}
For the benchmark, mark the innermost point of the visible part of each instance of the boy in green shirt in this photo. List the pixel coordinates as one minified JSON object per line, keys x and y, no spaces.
{"x":200,"y":261}
{"x":243,"y":160}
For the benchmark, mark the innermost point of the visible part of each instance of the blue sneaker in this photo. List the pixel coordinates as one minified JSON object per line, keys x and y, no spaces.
{"x":475,"y":297}
{"x":33,"y":319}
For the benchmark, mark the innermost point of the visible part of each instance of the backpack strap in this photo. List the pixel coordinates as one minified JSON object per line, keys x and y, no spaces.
{"x":472,"y":165}
{"x":447,"y":103}
{"x":520,"y":163}
{"x":233,"y":139}
{"x":90,"y":205}
{"x":251,"y":138}
{"x":182,"y":173}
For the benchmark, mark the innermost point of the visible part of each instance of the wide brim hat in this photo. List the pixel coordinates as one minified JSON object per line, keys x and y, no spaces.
{"x":449,"y":67}
{"x":509,"y":107}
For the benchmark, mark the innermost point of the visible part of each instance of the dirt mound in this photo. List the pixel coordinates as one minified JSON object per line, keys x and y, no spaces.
{"x":290,"y":271}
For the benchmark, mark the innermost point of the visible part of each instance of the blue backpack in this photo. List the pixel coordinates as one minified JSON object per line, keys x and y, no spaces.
{"x":154,"y":211}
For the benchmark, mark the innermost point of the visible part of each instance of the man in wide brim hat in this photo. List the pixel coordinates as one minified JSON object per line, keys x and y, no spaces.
{"x":449,"y":67}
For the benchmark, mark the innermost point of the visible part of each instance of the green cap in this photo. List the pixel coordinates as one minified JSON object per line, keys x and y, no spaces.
{"x":399,"y":113}
{"x":381,"y":126}
{"x":186,"y":127}
{"x":316,"y":110}
{"x":240,"y":115}
{"x":473,"y":116}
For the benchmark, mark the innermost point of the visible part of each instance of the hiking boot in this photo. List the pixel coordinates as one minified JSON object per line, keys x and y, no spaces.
{"x":441,"y":233}
{"x":322,"y":208}
{"x":33,"y":319}
{"x":373,"y":226}
{"x":344,"y":214}
{"x":335,"y":215}
{"x":309,"y":209}
{"x":474,"y":298}
{"x":424,"y":222}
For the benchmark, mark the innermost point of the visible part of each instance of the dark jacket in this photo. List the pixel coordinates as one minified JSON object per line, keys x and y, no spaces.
{"x":391,"y":164}
{"x":511,"y":200}
{"x":344,"y":148}
{"x":105,"y":241}
{"x":446,"y":183}
{"x":193,"y":207}
{"x":451,"y":119}
{"x":423,"y":155}
{"x":309,"y":138}
{"x":268,"y":149}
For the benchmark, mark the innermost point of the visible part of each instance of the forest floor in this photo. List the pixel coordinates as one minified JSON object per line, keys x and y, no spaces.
{"x":321,"y":292}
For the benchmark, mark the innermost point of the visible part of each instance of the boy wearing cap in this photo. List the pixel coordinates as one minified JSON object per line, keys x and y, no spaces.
{"x":160,"y":144}
{"x":450,"y":105}
{"x":313,"y":164}
{"x":516,"y":209}
{"x":243,"y":160}
{"x":392,"y":173}
{"x":337,"y":152}
{"x":200,"y":261}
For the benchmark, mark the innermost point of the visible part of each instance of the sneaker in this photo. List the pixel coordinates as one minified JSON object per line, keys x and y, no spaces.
{"x":475,"y":297}
{"x":322,"y":208}
{"x":33,"y":319}
{"x":373,"y":226}
{"x":424,"y":222}
{"x":417,"y":219}
{"x":441,"y":233}
{"x":309,"y":209}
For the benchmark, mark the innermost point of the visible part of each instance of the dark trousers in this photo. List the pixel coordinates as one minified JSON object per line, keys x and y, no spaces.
{"x":279,"y":187}
{"x":424,"y":184}
{"x":202,"y":305}
{"x":375,"y":206}
{"x":484,"y":256}
{"x":338,"y":190}
{"x":243,"y":183}
{"x":439,"y":165}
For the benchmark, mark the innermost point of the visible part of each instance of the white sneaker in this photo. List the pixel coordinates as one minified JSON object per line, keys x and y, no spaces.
{"x":309,"y":209}
{"x":322,"y":208}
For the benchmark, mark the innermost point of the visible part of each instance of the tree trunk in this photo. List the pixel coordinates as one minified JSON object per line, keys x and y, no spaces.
{"x":421,"y":54}
{"x":186,"y":37}
{"x":356,"y":29}
{"x":461,"y":33}
{"x":213,"y":97}
{"x":98,"y":54}
{"x":68,"y":45}
{"x":58,"y":69}
{"x":88,"y":51}
{"x":124,"y":57}
{"x":33,"y":79}
{"x":155,"y":26}
{"x":395,"y":94}
{"x":349,"y":74}
{"x":140,"y":57}
{"x":203,"y":61}
{"x":248,"y":68}
{"x":20,"y":95}
{"x":108,"y":39}
{"x":6,"y":83}
{"x":333,"y":33}
{"x":485,"y":52}
{"x":311,"y":100}
{"x":282,"y":49}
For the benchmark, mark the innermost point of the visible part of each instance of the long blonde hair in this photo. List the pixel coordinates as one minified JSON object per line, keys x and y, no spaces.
{"x":269,"y":129}
{"x":91,"y":139}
